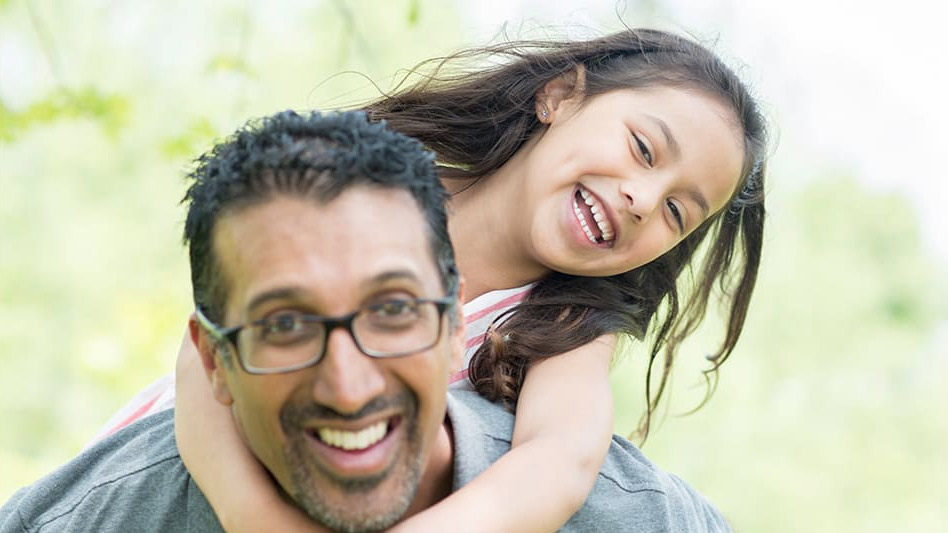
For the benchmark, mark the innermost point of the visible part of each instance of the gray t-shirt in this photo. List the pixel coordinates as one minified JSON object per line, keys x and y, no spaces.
{"x":135,"y":481}
{"x":630,"y":494}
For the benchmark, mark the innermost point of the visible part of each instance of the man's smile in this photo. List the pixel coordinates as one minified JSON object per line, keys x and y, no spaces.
{"x":353,"y":440}
{"x":349,"y":455}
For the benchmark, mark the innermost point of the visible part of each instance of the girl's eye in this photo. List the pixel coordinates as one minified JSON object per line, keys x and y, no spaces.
{"x":676,"y":213}
{"x":646,"y":154}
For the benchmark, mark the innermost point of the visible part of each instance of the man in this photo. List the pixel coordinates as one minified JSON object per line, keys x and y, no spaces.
{"x":328,"y":319}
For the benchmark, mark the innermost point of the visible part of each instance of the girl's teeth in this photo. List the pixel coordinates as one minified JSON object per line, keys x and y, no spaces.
{"x":582,"y":223}
{"x":353,"y":440}
{"x":601,"y":222}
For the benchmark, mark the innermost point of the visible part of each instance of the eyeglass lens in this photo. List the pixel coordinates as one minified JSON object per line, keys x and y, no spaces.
{"x":389,"y":328}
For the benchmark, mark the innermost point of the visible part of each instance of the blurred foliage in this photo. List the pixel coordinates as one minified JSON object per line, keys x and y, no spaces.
{"x":829,"y":403}
{"x":823,"y":417}
{"x":102,"y":112}
{"x":190,"y":141}
{"x":109,"y":111}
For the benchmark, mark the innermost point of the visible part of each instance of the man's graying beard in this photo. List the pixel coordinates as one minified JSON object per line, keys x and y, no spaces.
{"x":408,"y":468}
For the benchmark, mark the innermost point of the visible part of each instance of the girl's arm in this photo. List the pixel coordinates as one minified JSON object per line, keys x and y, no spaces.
{"x":236,"y":485}
{"x":561,"y":436}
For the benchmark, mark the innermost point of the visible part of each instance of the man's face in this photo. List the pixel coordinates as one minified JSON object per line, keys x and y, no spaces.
{"x":294,"y":254}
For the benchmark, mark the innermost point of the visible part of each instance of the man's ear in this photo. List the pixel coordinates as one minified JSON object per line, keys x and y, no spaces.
{"x":211,"y":359}
{"x":561,"y":94}
{"x":458,"y":344}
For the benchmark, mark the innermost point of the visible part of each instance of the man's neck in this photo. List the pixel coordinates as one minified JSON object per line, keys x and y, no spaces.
{"x":437,"y":481}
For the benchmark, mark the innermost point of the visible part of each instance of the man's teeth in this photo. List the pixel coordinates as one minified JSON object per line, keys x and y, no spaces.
{"x":353,"y":440}
{"x":599,"y":218}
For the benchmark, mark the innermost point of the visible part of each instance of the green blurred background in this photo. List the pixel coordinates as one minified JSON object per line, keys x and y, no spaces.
{"x":830,"y":415}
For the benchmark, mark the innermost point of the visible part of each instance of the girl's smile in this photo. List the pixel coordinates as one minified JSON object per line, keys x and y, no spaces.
{"x":594,"y":218}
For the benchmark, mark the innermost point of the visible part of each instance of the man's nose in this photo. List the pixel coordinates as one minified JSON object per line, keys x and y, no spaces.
{"x":347,"y":378}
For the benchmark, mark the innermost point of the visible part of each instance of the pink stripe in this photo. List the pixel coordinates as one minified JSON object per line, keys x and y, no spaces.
{"x":459,"y":376}
{"x":506,"y":301}
{"x":475,"y":341}
{"x":134,"y":416}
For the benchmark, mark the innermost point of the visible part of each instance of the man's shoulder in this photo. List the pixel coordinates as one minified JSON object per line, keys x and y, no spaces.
{"x":133,"y":480}
{"x":633,"y":494}
{"x":630,"y":493}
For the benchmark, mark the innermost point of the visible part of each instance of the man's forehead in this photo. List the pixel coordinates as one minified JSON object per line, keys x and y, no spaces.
{"x":364,"y":239}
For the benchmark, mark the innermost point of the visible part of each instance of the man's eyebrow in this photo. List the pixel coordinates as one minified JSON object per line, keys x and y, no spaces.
{"x":282,"y":293}
{"x":297,"y":293}
{"x":395,"y":275}
{"x":670,"y":139}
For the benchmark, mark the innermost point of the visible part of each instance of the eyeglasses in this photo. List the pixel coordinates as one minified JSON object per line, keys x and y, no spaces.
{"x":290,"y":340}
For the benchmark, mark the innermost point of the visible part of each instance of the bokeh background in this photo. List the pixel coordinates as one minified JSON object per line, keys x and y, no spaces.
{"x":830,"y":416}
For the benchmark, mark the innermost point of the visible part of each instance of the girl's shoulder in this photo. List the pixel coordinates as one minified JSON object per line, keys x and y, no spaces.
{"x":492,"y":301}
{"x":479,"y":314}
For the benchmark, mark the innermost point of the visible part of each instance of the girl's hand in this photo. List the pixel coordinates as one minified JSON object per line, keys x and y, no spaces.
{"x":238,"y":487}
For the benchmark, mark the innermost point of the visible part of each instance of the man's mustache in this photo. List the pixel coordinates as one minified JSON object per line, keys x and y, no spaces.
{"x":295,"y":415}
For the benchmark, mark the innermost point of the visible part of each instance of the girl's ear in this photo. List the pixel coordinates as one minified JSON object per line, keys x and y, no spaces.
{"x":561,"y":94}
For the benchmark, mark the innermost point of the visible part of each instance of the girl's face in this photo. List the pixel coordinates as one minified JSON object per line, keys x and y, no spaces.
{"x":619,"y":179}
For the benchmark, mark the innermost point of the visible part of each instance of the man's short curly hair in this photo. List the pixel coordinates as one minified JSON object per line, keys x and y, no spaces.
{"x":314,"y":155}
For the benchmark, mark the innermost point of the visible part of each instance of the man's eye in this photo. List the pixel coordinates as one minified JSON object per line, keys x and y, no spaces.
{"x":394,"y":313}
{"x":284,"y":327}
{"x":285,"y":322}
{"x":676,"y":214}
{"x":646,"y":154}
{"x":393,"y":308}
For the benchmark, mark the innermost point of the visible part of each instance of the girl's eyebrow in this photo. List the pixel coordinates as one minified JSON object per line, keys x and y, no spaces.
{"x":670,"y":140}
{"x":697,"y":197}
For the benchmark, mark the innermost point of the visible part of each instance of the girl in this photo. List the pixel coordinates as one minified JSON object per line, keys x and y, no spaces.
{"x":585,"y":175}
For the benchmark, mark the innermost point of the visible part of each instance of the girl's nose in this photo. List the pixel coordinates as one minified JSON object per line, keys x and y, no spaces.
{"x":640,"y":199}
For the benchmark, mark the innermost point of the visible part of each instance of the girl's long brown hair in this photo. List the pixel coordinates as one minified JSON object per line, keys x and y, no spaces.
{"x":476,"y":119}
